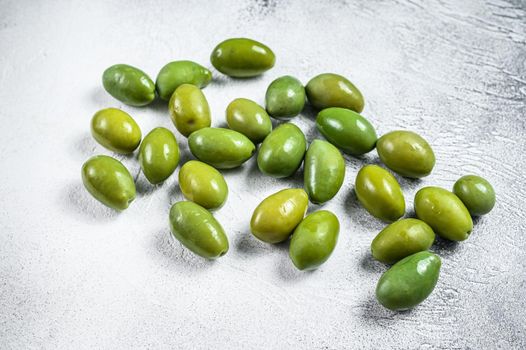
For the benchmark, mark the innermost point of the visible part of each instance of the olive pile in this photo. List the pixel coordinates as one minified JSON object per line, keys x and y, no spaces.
{"x":404,"y":242}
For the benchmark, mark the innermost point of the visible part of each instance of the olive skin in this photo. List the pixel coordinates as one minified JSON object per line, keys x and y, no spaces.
{"x":332,"y":90}
{"x":221,"y":148}
{"x":285,"y":97}
{"x":177,"y":73}
{"x":249,"y":118}
{"x":281,"y":153}
{"x":400,"y":239}
{"x":323,"y":171}
{"x":159,"y":155}
{"x":242,"y":58}
{"x":276,"y":217}
{"x":198,"y":230}
{"x":108,"y":181}
{"x":444,"y":212}
{"x":347,"y":130}
{"x":116,"y":130}
{"x":203,"y":184}
{"x":409,"y":282}
{"x":476,"y":193}
{"x":314,"y":239}
{"x":406,"y":153}
{"x":129,"y":85}
{"x":189,"y":109}
{"x":380,"y":193}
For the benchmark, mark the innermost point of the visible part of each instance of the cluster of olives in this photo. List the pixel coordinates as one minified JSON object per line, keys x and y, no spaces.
{"x":404,"y":242}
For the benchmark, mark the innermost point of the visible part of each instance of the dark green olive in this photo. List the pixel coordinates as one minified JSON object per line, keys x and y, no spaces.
{"x":409,"y":282}
{"x":476,"y":193}
{"x":346,"y":130}
{"x":332,"y":90}
{"x":198,"y":230}
{"x":159,"y":155}
{"x":242,"y":58}
{"x":314,"y":239}
{"x":129,"y":85}
{"x":177,"y":73}
{"x":221,"y":148}
{"x":285,"y":97}
{"x":108,"y":181}
{"x":281,"y":153}
{"x":324,"y":171}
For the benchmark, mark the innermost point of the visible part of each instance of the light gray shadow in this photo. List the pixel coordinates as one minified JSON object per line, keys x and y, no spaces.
{"x":77,"y":201}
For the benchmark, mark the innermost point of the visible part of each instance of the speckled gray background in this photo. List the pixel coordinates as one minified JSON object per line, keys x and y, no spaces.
{"x":76,"y":275}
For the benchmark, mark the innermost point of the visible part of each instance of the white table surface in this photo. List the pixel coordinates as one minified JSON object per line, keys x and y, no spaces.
{"x":76,"y":275}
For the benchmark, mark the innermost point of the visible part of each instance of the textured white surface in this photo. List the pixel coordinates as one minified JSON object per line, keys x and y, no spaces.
{"x":76,"y":275}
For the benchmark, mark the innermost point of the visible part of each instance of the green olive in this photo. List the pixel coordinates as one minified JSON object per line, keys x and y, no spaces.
{"x":444,"y":212}
{"x":242,"y":58}
{"x":116,"y":130}
{"x":278,"y":215}
{"x":409,"y":282}
{"x":129,"y":85}
{"x":476,"y":193}
{"x":221,"y":148}
{"x":346,"y":130}
{"x":380,"y":193}
{"x":314,"y":239}
{"x":281,"y":153}
{"x":108,"y":181}
{"x":333,"y":90}
{"x":198,"y":230}
{"x":177,"y":73}
{"x":203,"y":184}
{"x":159,"y":155}
{"x":285,"y":97}
{"x":406,"y":153}
{"x":400,"y":239}
{"x":249,"y":118}
{"x":324,"y":171}
{"x":189,"y":109}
